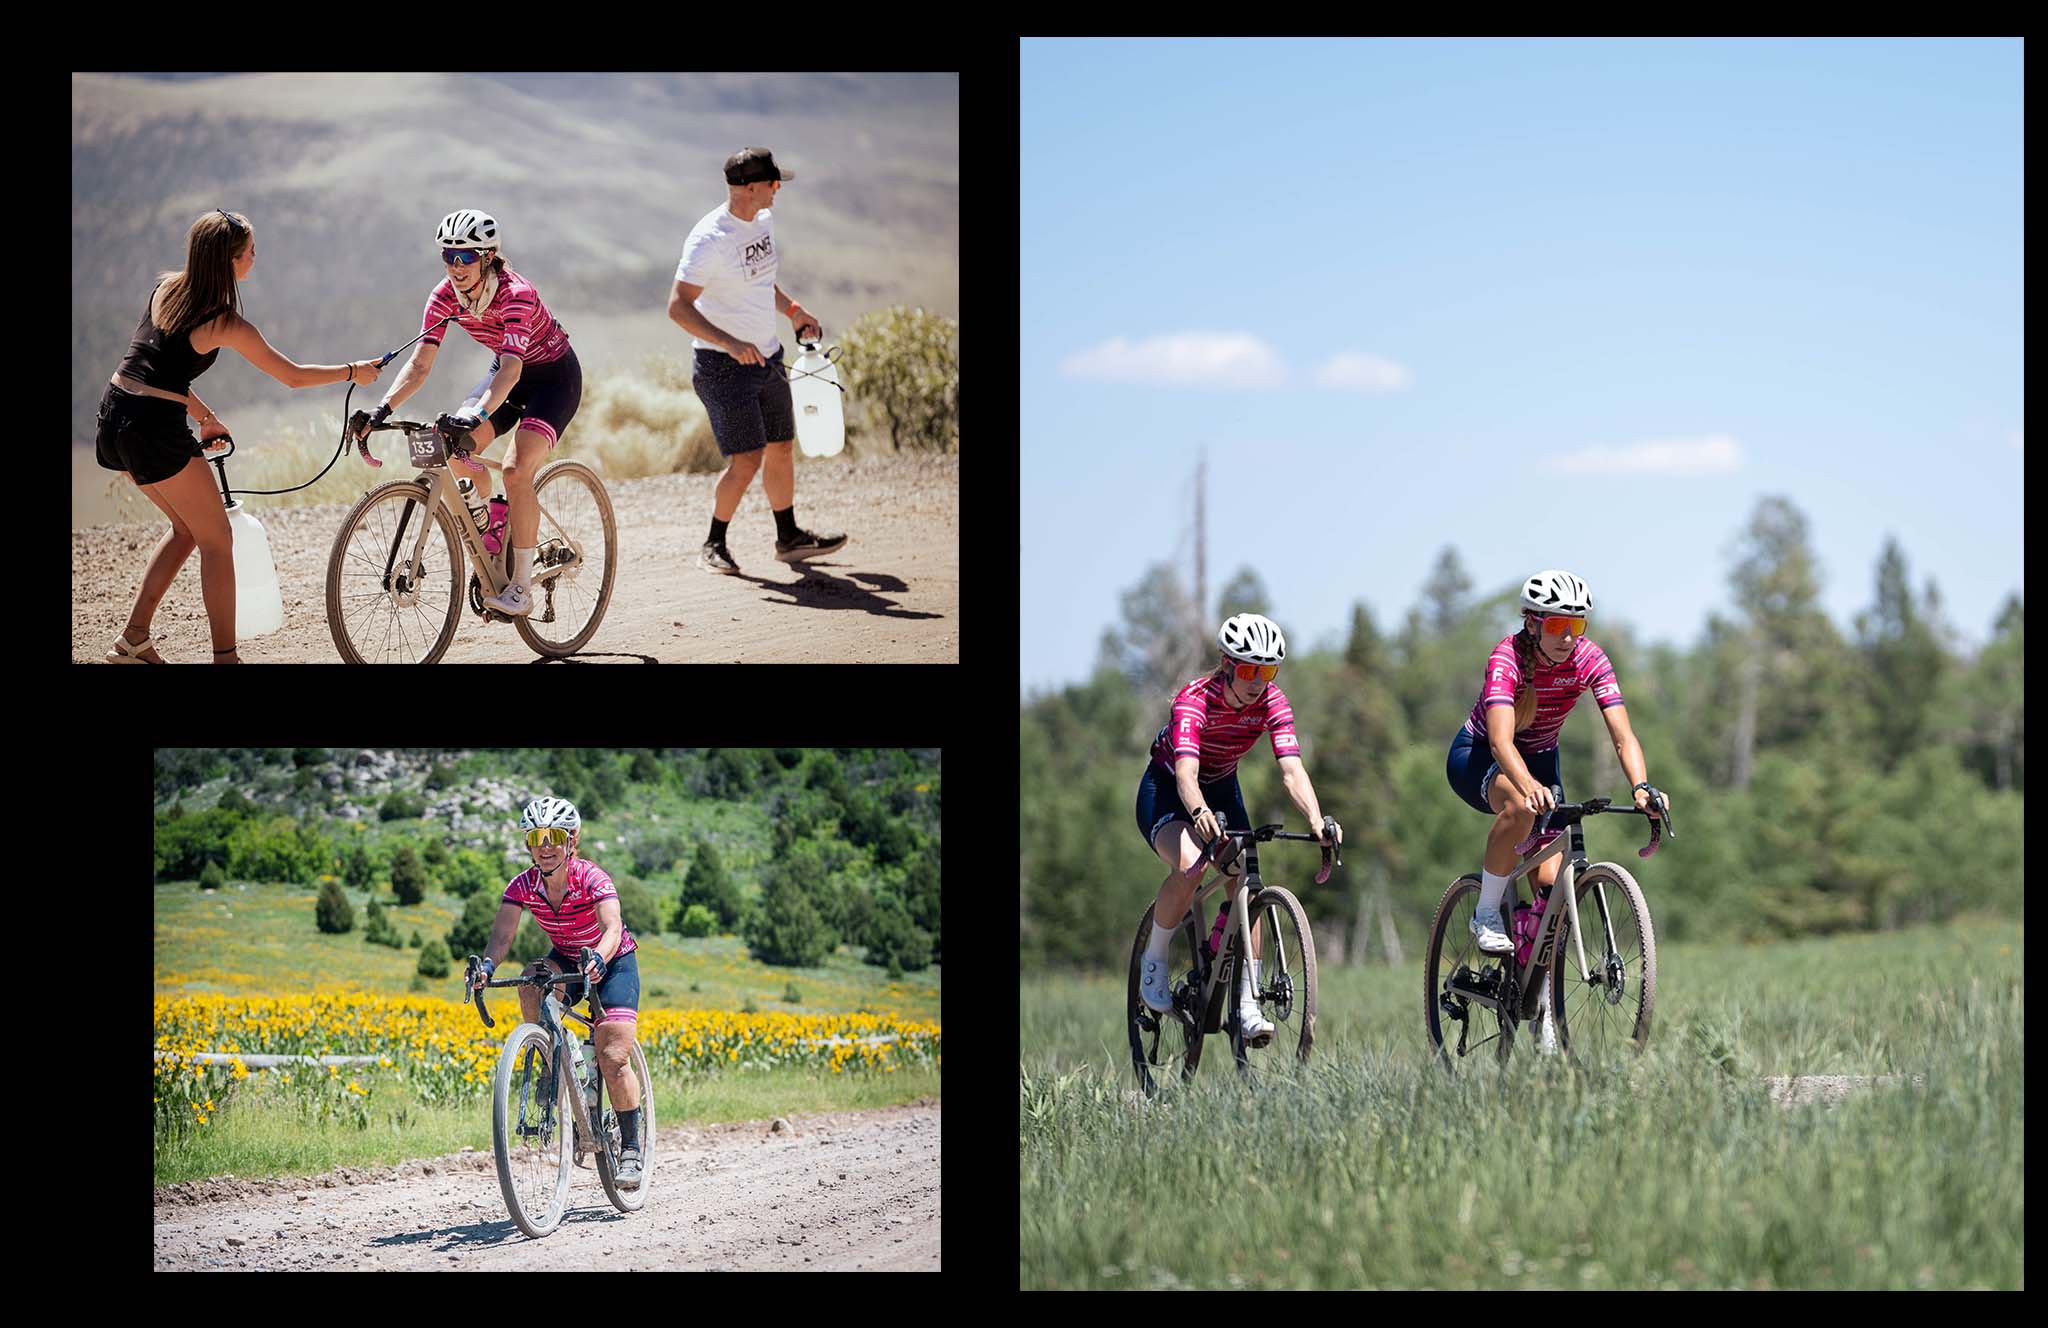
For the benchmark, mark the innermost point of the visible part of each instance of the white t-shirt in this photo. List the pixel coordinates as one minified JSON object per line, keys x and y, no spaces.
{"x":734,"y":261}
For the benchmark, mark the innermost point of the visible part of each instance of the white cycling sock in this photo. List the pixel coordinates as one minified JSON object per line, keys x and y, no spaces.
{"x":1156,"y":947}
{"x":1491,"y":888}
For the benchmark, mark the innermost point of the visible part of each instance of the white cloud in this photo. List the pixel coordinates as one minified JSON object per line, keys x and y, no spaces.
{"x":1716,"y":454}
{"x":1181,"y":359}
{"x":1356,"y":371}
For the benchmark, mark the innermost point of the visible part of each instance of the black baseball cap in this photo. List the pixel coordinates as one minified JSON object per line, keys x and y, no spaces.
{"x":752,"y":165}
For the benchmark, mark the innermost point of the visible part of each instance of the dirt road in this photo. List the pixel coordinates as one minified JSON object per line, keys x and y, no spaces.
{"x":845,"y":1191}
{"x":891,"y":596}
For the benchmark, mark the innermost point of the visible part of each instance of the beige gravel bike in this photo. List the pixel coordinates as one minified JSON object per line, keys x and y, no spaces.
{"x":395,"y":586}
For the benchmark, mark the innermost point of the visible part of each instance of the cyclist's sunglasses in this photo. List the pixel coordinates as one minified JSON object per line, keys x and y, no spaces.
{"x":1564,"y":626}
{"x":461,"y":257}
{"x":553,"y":834}
{"x":1247,"y":672}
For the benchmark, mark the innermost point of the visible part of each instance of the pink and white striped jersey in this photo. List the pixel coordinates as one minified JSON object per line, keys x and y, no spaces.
{"x":1557,"y":690}
{"x":516,"y":323}
{"x":573,"y":925}
{"x":1205,"y":726}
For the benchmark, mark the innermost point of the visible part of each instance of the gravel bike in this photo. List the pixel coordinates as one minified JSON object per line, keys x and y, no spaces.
{"x":548,"y":1108}
{"x":394,"y":576}
{"x":1204,"y":997}
{"x":1471,"y":998}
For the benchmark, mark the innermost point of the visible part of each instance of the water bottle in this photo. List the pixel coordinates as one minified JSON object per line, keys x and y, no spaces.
{"x":1216,"y":932}
{"x":1527,"y":922}
{"x":489,"y":519}
{"x":494,"y":536}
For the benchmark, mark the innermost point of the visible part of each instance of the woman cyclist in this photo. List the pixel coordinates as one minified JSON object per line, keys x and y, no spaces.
{"x":577,"y":906}
{"x":1192,"y":775}
{"x":534,"y":380}
{"x":1505,"y":759}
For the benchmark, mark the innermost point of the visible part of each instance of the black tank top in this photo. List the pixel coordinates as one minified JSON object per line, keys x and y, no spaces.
{"x":166,"y":361}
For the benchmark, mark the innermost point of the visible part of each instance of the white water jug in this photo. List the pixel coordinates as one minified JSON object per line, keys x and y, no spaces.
{"x":820,"y":420}
{"x":259,"y":605}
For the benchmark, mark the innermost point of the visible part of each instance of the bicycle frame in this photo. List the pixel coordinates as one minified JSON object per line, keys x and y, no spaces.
{"x":431,"y":457}
{"x":1546,"y":936}
{"x":1238,"y":947}
{"x":555,"y":1014}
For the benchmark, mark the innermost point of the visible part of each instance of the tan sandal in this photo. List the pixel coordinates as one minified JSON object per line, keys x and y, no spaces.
{"x":125,"y":652}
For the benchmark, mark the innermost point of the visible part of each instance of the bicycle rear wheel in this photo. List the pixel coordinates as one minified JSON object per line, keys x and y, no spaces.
{"x":1166,"y":1046}
{"x":576,"y":561}
{"x":629,"y":1198}
{"x":1454,"y":969}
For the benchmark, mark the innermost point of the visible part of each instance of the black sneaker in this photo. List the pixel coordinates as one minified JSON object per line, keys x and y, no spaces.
{"x":716,"y":559}
{"x":807,"y":545}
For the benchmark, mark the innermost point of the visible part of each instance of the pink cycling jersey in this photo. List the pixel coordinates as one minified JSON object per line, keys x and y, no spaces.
{"x":516,"y":323}
{"x":1205,"y":726}
{"x":573,"y":925}
{"x":1557,"y":690}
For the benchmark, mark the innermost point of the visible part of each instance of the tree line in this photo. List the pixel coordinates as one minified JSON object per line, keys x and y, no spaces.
{"x":851,"y":839}
{"x":1822,"y":781}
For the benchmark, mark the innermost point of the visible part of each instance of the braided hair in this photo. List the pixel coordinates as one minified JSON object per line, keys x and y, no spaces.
{"x":1525,"y":691}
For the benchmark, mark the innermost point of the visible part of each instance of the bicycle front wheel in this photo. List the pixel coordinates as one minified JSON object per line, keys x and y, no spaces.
{"x":392,"y":598}
{"x":1607,"y":1005}
{"x":530,"y":1124}
{"x":1284,"y":976}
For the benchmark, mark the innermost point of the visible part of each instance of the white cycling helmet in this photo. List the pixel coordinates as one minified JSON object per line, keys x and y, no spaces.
{"x":544,"y":812}
{"x":1252,"y":639}
{"x":467,"y":228}
{"x":1556,"y":592}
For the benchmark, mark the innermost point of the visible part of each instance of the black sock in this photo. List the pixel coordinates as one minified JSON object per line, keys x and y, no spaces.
{"x":785,"y":523}
{"x":717,"y":533}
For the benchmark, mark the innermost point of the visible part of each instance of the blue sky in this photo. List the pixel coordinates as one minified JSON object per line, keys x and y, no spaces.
{"x":1555,"y":303}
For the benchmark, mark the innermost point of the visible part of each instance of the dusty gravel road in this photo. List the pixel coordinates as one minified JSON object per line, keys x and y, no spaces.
{"x":843,"y":1191}
{"x":891,"y":596}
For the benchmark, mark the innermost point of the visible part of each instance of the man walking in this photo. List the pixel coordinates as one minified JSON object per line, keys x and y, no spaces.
{"x":726,"y":298}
